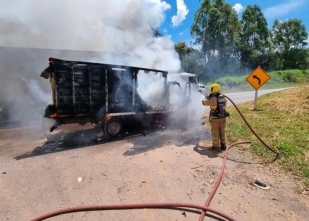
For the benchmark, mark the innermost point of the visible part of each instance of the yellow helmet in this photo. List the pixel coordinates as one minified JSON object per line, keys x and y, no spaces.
{"x":215,"y":88}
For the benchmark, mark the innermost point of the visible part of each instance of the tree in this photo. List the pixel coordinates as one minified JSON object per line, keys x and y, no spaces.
{"x":192,"y":60}
{"x":181,"y":48}
{"x":289,"y":34}
{"x":228,"y":37}
{"x":289,"y":39}
{"x":254,"y":38}
{"x":214,"y":29}
{"x":200,"y":25}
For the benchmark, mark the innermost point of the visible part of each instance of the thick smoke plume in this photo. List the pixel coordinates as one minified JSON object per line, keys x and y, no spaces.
{"x":121,"y":30}
{"x":117,"y":32}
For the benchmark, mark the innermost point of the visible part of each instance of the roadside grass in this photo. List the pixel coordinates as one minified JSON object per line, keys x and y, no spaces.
{"x":278,"y":79}
{"x":245,"y":86}
{"x":282,"y":121}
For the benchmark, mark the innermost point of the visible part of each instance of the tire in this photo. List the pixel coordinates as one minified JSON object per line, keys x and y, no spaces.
{"x":113,"y":127}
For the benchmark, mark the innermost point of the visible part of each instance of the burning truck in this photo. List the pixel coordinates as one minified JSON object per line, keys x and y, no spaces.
{"x":106,"y":95}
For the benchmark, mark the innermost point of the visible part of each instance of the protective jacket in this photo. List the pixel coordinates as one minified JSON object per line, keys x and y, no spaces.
{"x":217,"y":104}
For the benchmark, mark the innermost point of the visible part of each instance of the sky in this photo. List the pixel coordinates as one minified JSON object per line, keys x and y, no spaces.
{"x":180,"y":15}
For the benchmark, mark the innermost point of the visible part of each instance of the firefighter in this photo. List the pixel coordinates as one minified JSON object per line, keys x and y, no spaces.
{"x":217,"y":116}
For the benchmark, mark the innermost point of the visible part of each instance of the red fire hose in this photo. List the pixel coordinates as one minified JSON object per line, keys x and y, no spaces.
{"x":276,"y":151}
{"x":211,"y":195}
{"x":176,"y":206}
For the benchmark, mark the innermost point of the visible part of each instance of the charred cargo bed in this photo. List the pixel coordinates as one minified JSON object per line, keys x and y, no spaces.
{"x":103,"y":94}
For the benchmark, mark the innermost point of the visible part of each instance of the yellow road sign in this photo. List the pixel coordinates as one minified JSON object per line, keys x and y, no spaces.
{"x":257,"y":78}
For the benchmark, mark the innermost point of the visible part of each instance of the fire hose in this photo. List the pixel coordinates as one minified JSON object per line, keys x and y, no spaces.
{"x":176,"y":206}
{"x":276,"y":151}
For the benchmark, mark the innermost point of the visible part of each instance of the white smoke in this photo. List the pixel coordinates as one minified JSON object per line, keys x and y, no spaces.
{"x":117,"y":32}
{"x":36,"y":91}
{"x":121,"y":30}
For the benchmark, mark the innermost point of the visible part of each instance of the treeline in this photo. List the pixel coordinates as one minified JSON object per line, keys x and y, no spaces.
{"x":232,"y":46}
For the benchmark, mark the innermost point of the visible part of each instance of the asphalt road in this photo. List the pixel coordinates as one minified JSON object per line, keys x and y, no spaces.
{"x":240,"y":97}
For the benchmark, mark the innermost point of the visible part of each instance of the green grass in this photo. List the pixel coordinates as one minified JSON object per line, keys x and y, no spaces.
{"x":282,"y":122}
{"x":278,"y":79}
{"x":281,"y":119}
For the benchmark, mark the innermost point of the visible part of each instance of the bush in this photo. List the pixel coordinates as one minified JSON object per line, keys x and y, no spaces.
{"x":290,"y":76}
{"x":305,"y":74}
{"x":232,"y":81}
{"x":276,"y":77}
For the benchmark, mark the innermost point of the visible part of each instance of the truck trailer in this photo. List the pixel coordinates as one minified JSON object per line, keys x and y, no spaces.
{"x":106,"y":95}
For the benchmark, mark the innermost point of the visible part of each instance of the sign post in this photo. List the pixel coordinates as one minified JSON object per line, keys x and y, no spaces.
{"x":257,"y":78}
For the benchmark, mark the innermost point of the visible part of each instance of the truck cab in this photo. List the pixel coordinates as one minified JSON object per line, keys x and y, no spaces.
{"x":187,"y":80}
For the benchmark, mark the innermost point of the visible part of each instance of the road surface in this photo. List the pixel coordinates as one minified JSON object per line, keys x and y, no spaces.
{"x":240,"y":97}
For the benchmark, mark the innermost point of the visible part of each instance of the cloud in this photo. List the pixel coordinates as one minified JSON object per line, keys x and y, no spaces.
{"x":284,"y":8}
{"x":238,"y":8}
{"x":182,"y":12}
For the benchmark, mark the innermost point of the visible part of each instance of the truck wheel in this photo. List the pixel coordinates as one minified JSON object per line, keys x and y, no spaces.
{"x":113,"y":127}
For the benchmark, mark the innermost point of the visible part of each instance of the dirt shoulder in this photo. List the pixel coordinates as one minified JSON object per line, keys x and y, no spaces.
{"x":41,"y":173}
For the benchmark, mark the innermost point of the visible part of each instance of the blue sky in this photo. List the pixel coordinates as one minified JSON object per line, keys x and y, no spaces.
{"x":180,"y":16}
